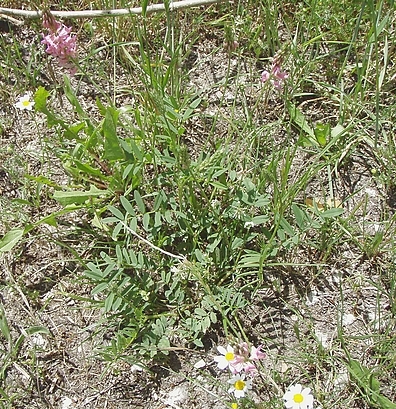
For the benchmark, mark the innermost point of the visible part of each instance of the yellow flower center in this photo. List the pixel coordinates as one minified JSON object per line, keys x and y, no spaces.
{"x":298,"y":398}
{"x":229,"y":356}
{"x":234,"y":405}
{"x":26,"y":103}
{"x":239,"y":385}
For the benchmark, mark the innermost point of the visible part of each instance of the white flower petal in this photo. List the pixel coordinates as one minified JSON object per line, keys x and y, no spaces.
{"x":200,"y":364}
{"x":136,"y":368}
{"x":66,"y":402}
{"x":348,"y":319}
{"x":221,"y":349}
{"x":290,"y":395}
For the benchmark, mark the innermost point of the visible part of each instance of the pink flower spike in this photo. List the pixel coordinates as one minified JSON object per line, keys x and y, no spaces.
{"x":265,"y":76}
{"x":243,"y":349}
{"x":277,"y":84}
{"x":283,"y":75}
{"x":237,"y":366}
{"x":60,"y":43}
{"x":276,"y":72}
{"x":256,"y":353}
{"x":50,"y":23}
{"x":250,"y":369}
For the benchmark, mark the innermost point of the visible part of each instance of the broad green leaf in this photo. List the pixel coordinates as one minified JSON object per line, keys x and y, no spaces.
{"x":112,"y":149}
{"x":72,"y":131}
{"x":109,"y":302}
{"x":287,"y":227}
{"x":127,"y":205}
{"x":322,"y":132}
{"x":38,"y":330}
{"x":337,"y":131}
{"x":201,"y":312}
{"x":42,"y":180}
{"x":262,"y":201}
{"x":116,"y":304}
{"x":100,"y":288}
{"x":146,"y":221}
{"x":237,"y":243}
{"x":116,"y":231}
{"x":300,"y":216}
{"x":330,"y":213}
{"x":4,"y":328}
{"x":199,"y":255}
{"x":127,"y":171}
{"x":198,"y":343}
{"x":87,"y":169}
{"x":94,"y":273}
{"x":385,"y":403}
{"x":101,"y":107}
{"x":117,"y":213}
{"x":213,"y":317}
{"x":139,"y":201}
{"x":50,"y":220}
{"x":366,"y":380}
{"x":218,"y":185}
{"x":10,"y":239}
{"x":159,"y":199}
{"x":78,"y":197}
{"x":72,"y":97}
{"x":40,"y":99}
{"x":299,"y":119}
{"x":211,"y":246}
{"x":260,"y":219}
{"x":139,"y":155}
{"x":157,"y":220}
{"x":190,"y":110}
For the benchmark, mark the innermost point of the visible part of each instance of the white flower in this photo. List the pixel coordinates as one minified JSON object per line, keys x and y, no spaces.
{"x":25,"y":102}
{"x":348,"y":319}
{"x":200,"y":364}
{"x":226,"y":358}
{"x":67,"y":403}
{"x":239,"y":386}
{"x":136,"y":368}
{"x":39,"y":341}
{"x":298,"y":398}
{"x":175,"y":270}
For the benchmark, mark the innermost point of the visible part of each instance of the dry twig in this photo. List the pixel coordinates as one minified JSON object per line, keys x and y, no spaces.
{"x":32,"y":14}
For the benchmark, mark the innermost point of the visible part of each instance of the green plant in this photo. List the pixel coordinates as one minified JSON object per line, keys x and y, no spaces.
{"x":10,"y":351}
{"x":215,"y":207}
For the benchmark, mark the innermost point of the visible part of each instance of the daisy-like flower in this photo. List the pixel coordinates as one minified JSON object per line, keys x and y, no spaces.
{"x":24,"y":102}
{"x":227,"y":357}
{"x":298,"y":398}
{"x":239,"y":386}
